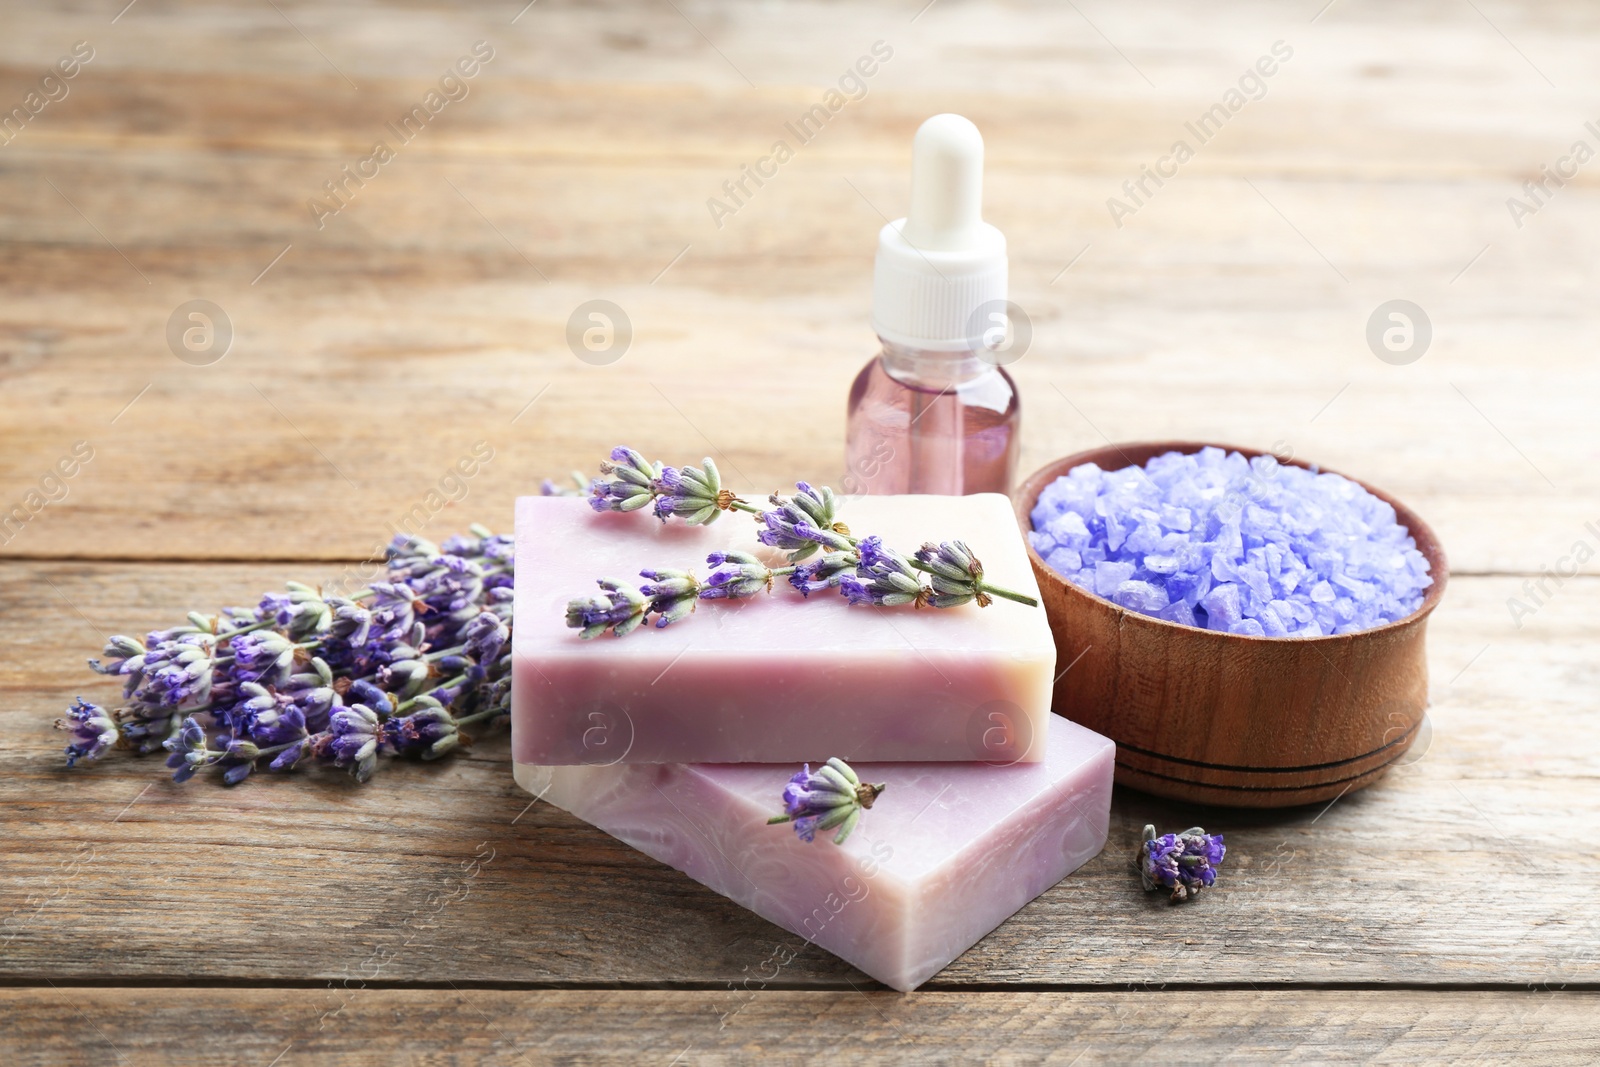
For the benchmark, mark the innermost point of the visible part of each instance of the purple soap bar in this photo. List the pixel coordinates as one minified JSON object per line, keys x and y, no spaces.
{"x":948,"y":852}
{"x":775,"y":678}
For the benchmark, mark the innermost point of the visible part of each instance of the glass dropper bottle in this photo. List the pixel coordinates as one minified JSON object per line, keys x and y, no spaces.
{"x":934,"y":412}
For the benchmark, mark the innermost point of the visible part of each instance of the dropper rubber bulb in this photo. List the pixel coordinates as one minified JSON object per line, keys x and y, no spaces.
{"x":946,"y":212}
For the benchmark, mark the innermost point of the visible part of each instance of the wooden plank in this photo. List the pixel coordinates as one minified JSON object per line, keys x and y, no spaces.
{"x":378,"y":349}
{"x":718,"y":1026}
{"x":1459,"y":868}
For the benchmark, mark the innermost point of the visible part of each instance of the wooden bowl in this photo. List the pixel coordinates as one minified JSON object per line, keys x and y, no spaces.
{"x":1221,"y":718}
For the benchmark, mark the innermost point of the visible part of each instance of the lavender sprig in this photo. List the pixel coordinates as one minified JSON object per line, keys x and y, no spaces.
{"x":833,"y":795}
{"x":1185,"y":863}
{"x":883,"y":578}
{"x":737,"y":575}
{"x":398,"y":668}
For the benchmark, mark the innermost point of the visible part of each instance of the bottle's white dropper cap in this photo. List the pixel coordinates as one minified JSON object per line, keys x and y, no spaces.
{"x":939,"y":265}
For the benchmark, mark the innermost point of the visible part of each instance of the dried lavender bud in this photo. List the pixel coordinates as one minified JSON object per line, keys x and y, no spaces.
{"x":832,"y":796}
{"x":694,"y":494}
{"x":177,"y":672}
{"x":93,"y":731}
{"x":1184,"y":863}
{"x":264,"y":656}
{"x":429,"y":732}
{"x":824,"y":572}
{"x":673,"y":593}
{"x":957,"y":574}
{"x":621,"y":608}
{"x":737,"y":575}
{"x":632,"y":487}
{"x":301,"y":610}
{"x":351,"y":741}
{"x":802,"y":523}
{"x":190,"y":750}
{"x":883,"y":578}
{"x":549,"y":488}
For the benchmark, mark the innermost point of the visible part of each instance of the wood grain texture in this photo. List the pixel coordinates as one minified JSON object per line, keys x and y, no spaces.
{"x":580,"y":166}
{"x":1458,"y":868}
{"x":716,"y":1027}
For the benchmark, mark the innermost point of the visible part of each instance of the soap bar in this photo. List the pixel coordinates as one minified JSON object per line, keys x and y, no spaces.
{"x":946,"y":854}
{"x":776,"y":677}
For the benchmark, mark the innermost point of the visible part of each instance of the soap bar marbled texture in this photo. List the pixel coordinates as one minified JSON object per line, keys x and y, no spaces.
{"x":774,"y":678}
{"x":948,"y":852}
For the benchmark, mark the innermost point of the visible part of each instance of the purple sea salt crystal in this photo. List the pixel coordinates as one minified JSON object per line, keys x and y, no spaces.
{"x":833,"y":795}
{"x":883,"y":578}
{"x":93,"y":731}
{"x":619,"y":608}
{"x":350,"y":741}
{"x":693,"y":494}
{"x":632,"y":486}
{"x":823,"y":572}
{"x":737,"y":575}
{"x":957,"y":574}
{"x":1183,"y":863}
{"x":1241,"y":546}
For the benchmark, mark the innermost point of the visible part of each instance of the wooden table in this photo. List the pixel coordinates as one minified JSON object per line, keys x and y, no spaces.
{"x":1448,"y":913}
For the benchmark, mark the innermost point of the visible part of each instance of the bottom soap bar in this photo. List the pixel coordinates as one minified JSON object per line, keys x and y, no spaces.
{"x":947,"y":853}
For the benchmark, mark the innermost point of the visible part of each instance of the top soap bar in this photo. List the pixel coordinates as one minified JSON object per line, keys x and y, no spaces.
{"x":775,"y":679}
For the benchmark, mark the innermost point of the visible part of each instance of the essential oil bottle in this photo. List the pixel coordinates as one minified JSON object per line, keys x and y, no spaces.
{"x":935,"y":412}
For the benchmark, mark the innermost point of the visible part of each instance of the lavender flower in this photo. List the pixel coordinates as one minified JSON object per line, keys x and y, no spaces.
{"x":957,"y":574}
{"x":889,"y":579}
{"x":824,"y":572}
{"x":270,"y":683}
{"x":176,"y":672}
{"x":803,"y":522}
{"x":737,"y":575}
{"x":429,"y":732}
{"x":263,"y":656}
{"x":351,"y":741}
{"x":632,"y":487}
{"x":832,"y":796}
{"x":93,"y":731}
{"x":190,"y":750}
{"x":549,"y":488}
{"x":694,"y":494}
{"x":1184,"y":863}
{"x":672,"y":593}
{"x":620,"y":608}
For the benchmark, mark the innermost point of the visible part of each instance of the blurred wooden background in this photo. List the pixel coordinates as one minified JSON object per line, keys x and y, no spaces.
{"x":1433,"y":916}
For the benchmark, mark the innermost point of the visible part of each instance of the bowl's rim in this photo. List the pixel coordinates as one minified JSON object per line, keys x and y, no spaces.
{"x":1028,"y":492}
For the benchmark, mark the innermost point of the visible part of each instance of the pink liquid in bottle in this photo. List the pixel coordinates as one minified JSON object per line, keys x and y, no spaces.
{"x":931,"y":422}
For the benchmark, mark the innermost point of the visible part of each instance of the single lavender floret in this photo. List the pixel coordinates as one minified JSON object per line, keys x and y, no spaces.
{"x":351,"y":741}
{"x":883,"y":578}
{"x":824,"y":572}
{"x":832,"y":796}
{"x":620,"y":608}
{"x":1184,"y":863}
{"x":737,"y":575}
{"x":673,"y":593}
{"x":957,"y":574}
{"x":631,"y":487}
{"x":804,"y":522}
{"x":93,"y":731}
{"x":1241,"y":546}
{"x":693,"y":494}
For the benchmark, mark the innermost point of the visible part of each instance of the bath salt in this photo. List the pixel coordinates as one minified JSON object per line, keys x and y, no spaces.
{"x":1214,"y":540}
